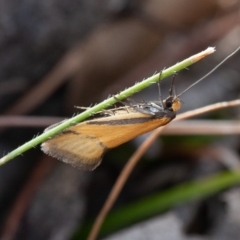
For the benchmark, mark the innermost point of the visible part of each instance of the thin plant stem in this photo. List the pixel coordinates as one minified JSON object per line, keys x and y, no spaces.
{"x":106,"y":103}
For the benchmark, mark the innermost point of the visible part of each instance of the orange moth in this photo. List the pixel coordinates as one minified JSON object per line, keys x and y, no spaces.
{"x":84,"y":144}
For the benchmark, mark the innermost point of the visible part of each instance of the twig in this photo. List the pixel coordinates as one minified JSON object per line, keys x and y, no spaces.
{"x":203,"y":127}
{"x":28,"y":121}
{"x":185,"y":127}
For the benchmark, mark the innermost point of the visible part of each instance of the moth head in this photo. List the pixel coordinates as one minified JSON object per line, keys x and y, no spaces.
{"x":172,"y":103}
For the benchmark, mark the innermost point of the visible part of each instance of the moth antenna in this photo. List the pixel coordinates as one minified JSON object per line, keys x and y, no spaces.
{"x":172,"y":91}
{"x":159,"y":90}
{"x":199,"y":80}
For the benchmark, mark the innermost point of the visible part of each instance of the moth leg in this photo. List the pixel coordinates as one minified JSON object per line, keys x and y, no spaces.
{"x":129,"y":102}
{"x":136,"y":107}
{"x":125,"y":103}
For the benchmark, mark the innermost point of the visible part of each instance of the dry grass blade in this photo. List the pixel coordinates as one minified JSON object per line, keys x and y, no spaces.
{"x":203,"y":127}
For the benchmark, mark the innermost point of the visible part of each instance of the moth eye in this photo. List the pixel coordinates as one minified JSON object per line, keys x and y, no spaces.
{"x":168,"y":103}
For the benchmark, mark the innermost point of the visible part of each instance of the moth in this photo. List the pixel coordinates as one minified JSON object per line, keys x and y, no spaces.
{"x":84,"y":144}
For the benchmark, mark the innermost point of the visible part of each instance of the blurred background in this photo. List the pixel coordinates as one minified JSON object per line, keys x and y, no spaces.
{"x":55,"y":55}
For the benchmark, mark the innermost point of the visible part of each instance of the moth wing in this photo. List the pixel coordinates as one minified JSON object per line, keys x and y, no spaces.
{"x":116,"y":130}
{"x":81,"y":151}
{"x":83,"y":145}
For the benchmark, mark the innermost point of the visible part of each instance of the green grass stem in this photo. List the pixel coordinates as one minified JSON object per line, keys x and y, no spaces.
{"x":105,"y":104}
